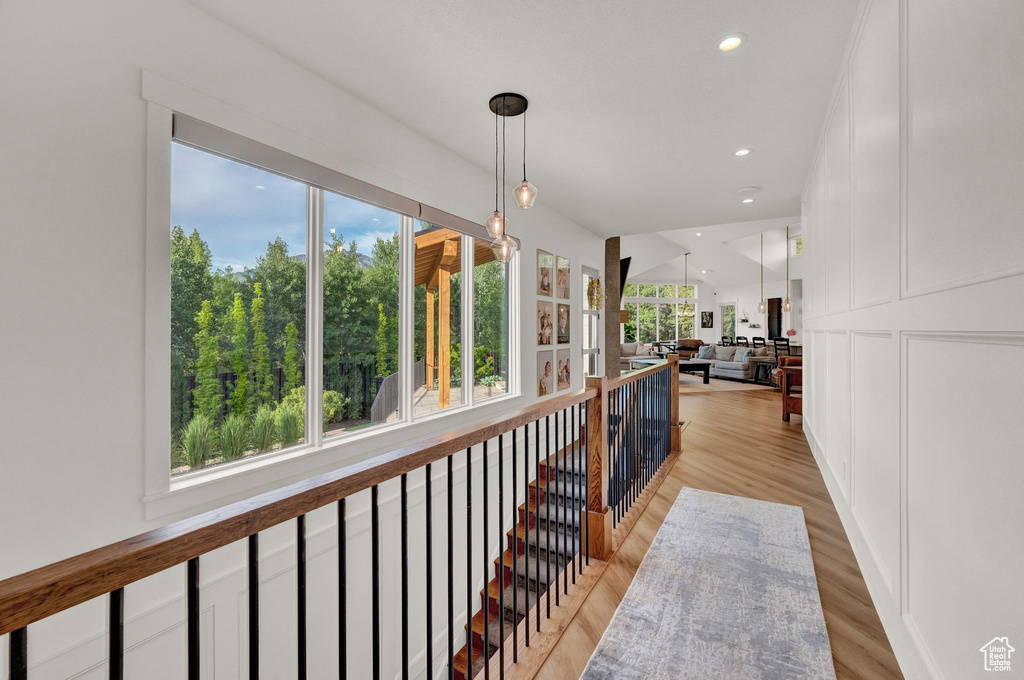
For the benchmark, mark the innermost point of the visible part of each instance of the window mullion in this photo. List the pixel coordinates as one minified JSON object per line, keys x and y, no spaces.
{"x":467,"y":351}
{"x":406,"y":315}
{"x":314,"y":315}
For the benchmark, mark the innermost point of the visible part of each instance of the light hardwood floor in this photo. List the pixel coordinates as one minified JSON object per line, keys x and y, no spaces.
{"x":737,"y":443}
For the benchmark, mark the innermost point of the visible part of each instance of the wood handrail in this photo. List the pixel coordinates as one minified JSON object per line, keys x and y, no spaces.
{"x":614,"y":383}
{"x":51,"y":589}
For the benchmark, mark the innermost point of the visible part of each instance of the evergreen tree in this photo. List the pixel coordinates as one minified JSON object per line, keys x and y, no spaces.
{"x":207,"y":390}
{"x":191,"y":283}
{"x":283,"y":278}
{"x":181,"y":396}
{"x":240,"y":359}
{"x":382,"y":342}
{"x":291,"y":358}
{"x":263,"y":382}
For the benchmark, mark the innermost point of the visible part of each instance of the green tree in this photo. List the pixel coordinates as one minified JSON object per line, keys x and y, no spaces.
{"x":181,"y":396}
{"x":349,"y":312}
{"x":382,"y":350}
{"x":263,"y":382}
{"x":382,"y":282}
{"x":240,"y":359}
{"x":191,"y":283}
{"x":291,"y":358}
{"x":283,"y":279}
{"x":490,"y":317}
{"x":207,"y":390}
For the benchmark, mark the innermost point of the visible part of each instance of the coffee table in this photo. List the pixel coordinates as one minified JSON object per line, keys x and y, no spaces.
{"x":696,"y":367}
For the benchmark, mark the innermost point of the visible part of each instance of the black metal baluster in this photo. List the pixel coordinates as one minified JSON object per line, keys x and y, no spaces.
{"x":342,"y":593}
{"x":116,"y":635}
{"x":375,"y":577}
{"x":192,"y":603}
{"x":17,"y":661}
{"x":526,"y":531}
{"x":515,"y":546}
{"x":553,"y":476}
{"x":547,"y":517}
{"x":451,"y":583}
{"x":300,"y":582}
{"x":428,"y":509}
{"x":404,"y":530}
{"x":501,"y":557}
{"x":566,"y":500}
{"x":469,"y":562}
{"x":577,"y":536}
{"x":254,"y":607}
{"x":484,"y":550}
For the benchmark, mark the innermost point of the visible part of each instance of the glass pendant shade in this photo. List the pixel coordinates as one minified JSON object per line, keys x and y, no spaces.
{"x":496,"y":224}
{"x":525,"y":194}
{"x":504,"y":248}
{"x":761,"y":307}
{"x":788,"y":307}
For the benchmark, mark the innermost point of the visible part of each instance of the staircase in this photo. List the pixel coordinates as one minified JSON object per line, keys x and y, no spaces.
{"x":541,"y":546}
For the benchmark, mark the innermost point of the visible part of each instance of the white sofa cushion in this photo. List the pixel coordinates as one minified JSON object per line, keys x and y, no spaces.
{"x":724,"y":353}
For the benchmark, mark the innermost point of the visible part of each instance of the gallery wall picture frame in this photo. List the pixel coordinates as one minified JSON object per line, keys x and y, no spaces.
{"x":563,"y":372}
{"x":545,"y":272}
{"x":545,"y":373}
{"x":562,"y":321}
{"x":562,"y":277}
{"x":545,"y":323}
{"x":707,"y":319}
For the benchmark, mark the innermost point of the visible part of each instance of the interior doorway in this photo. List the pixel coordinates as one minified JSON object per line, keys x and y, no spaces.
{"x":774,"y":318}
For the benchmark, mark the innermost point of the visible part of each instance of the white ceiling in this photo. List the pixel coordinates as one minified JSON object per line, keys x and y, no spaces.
{"x":634,"y":112}
{"x":729,"y":253}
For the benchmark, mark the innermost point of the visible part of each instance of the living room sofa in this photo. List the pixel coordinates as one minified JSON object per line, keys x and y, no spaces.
{"x":634,"y":350}
{"x":723,"y":360}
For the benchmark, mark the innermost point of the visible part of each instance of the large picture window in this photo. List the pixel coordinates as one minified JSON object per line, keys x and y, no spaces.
{"x":659,"y":312}
{"x":288,"y":299}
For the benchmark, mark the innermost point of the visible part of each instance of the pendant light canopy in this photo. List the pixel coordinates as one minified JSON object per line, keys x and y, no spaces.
{"x":787,"y":306}
{"x":506,"y":105}
{"x":762,"y":306}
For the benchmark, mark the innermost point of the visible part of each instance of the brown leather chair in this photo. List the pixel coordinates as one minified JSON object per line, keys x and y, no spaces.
{"x":687,"y":347}
{"x":795,"y":381}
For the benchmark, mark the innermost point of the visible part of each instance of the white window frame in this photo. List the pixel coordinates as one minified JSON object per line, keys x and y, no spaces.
{"x":658,"y":301}
{"x":201,"y":489}
{"x":589,"y":313}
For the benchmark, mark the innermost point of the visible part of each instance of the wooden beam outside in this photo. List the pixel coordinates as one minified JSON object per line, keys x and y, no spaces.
{"x":446,"y":256}
{"x":431,"y":328}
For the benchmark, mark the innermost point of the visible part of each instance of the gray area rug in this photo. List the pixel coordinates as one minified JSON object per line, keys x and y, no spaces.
{"x":727,"y":590}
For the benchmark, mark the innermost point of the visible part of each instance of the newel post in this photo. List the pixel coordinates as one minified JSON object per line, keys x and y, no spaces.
{"x":597,"y":516}
{"x":673,"y":396}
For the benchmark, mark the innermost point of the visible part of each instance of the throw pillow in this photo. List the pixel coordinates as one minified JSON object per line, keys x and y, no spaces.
{"x":759,"y":352}
{"x":644,"y":350}
{"x":741,"y":354}
{"x":724,"y":353}
{"x":706,"y":352}
{"x":628,"y":349}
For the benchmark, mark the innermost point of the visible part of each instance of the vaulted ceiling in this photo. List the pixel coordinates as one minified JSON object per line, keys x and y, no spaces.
{"x":635,"y":114}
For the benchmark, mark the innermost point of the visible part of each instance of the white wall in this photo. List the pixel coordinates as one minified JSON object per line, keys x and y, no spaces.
{"x":746,"y":298}
{"x":72,"y":273}
{"x":914,"y":248}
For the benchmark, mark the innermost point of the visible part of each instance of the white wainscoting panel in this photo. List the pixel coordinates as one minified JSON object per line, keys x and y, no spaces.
{"x":964,"y":71}
{"x":875,"y":497}
{"x":963,"y":563}
{"x":837,"y":208}
{"x":837,"y":405}
{"x":875,"y":126}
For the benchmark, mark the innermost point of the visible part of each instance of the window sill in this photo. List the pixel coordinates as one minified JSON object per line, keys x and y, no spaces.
{"x":203,"y":490}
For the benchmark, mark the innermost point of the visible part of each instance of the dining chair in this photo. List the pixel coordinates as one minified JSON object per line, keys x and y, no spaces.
{"x":759,"y":342}
{"x":782,"y":348}
{"x":741,"y":341}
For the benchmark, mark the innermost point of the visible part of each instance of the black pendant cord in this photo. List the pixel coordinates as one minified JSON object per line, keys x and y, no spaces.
{"x":504,"y":222}
{"x":495,"y":161}
{"x":524,"y":146}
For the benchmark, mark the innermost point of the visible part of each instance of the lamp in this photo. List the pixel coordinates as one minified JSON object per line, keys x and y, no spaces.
{"x":762,"y":306}
{"x":505,"y":105}
{"x":524,"y":193}
{"x":787,"y":306}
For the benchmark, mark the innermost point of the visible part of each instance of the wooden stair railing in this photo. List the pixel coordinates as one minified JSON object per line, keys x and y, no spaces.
{"x":607,"y":438}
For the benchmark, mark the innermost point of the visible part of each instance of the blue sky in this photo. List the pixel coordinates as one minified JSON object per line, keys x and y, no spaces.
{"x":238,"y":209}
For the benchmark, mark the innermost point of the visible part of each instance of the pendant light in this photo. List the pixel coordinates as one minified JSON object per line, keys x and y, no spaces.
{"x":504,"y":246}
{"x":762,"y":306}
{"x":787,"y":306}
{"x":524,"y":193}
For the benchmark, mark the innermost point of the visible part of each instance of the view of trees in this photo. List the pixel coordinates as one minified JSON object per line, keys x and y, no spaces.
{"x":659,"y":321}
{"x":238,"y":342}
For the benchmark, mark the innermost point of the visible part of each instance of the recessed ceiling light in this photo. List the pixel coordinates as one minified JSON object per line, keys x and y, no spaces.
{"x":730,"y":42}
{"x":748,"y":190}
{"x":743,"y":152}
{"x":698,"y":233}
{"x":748,"y":200}
{"x":703,"y":271}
